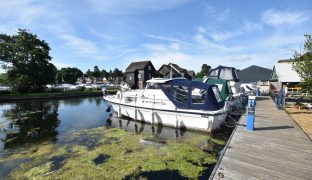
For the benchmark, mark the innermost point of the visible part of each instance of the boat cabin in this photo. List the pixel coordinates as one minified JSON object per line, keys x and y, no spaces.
{"x":184,"y":93}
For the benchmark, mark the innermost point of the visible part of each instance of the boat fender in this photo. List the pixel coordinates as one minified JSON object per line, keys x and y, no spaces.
{"x":118,"y":95}
{"x":108,"y":108}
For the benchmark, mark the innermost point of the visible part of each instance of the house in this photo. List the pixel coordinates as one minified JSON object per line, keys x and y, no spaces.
{"x":254,"y":74}
{"x":173,"y":70}
{"x":91,"y":80}
{"x":284,"y":75}
{"x":137,"y":73}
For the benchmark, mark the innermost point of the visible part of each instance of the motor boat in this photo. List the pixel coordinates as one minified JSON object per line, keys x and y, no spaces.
{"x":228,"y":84}
{"x":174,"y":103}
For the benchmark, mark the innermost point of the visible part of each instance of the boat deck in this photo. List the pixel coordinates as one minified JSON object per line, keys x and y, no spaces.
{"x":276,"y":149}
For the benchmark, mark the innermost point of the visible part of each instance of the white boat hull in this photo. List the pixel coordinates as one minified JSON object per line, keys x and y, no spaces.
{"x":173,"y":118}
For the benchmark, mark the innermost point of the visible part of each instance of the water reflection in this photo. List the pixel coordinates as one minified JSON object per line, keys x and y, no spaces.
{"x":66,"y":123}
{"x":155,"y":130}
{"x":29,"y":122}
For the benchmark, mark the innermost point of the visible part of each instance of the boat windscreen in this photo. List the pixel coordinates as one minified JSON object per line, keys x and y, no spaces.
{"x":152,"y":86}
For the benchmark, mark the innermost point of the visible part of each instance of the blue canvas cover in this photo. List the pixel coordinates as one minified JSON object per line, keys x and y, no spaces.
{"x":181,"y":93}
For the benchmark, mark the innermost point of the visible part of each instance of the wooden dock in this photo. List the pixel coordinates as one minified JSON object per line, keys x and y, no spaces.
{"x":276,"y":149}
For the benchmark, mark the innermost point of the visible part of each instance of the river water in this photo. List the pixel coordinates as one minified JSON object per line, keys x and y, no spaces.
{"x":78,"y":138}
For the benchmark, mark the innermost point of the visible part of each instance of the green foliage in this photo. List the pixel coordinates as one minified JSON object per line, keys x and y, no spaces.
{"x":27,"y":61}
{"x":303,"y":63}
{"x":96,"y":72}
{"x":4,"y":79}
{"x":68,"y":75}
{"x":204,"y":71}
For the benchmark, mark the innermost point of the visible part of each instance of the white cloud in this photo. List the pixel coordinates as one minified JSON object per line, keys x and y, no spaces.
{"x":102,"y":35}
{"x":277,"y":18}
{"x":121,"y":7}
{"x":82,"y":47}
{"x":241,"y":29}
{"x":201,"y":29}
{"x":242,"y":58}
{"x":219,"y":36}
{"x":206,"y":44}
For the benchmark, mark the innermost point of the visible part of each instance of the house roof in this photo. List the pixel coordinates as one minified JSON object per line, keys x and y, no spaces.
{"x":191,"y":73}
{"x":139,"y":65}
{"x":165,"y":69}
{"x":285,"y":73}
{"x":254,"y":74}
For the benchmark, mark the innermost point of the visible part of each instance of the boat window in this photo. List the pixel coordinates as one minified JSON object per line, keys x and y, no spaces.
{"x":220,"y":86}
{"x":217,"y":94}
{"x":180,"y":94}
{"x":214,"y":73}
{"x":152,"y":86}
{"x":198,"y":96}
{"x":129,"y":99}
{"x":167,"y":87}
{"x":226,"y":73}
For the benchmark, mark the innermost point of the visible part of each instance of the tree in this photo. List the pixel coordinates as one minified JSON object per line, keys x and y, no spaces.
{"x":4,"y":79}
{"x":204,"y":71}
{"x":303,"y":63}
{"x":104,"y":73}
{"x":26,"y":59}
{"x":68,"y":75}
{"x":88,"y":73}
{"x":117,"y":72}
{"x":96,"y":72}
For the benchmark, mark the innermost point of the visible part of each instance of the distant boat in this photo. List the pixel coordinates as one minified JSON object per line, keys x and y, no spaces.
{"x":173,"y":102}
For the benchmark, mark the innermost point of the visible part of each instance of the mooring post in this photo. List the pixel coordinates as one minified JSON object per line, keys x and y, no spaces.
{"x":251,"y":113}
{"x":258,"y":91}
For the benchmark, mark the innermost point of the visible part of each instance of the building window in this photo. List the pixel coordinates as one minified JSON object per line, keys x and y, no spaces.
{"x":139,"y":76}
{"x":149,"y":68}
{"x":149,"y":76}
{"x":130,"y":78}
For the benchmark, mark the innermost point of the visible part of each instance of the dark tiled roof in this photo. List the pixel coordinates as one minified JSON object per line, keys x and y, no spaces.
{"x":191,"y":73}
{"x":140,"y":65}
{"x":254,"y":74}
{"x":175,"y":66}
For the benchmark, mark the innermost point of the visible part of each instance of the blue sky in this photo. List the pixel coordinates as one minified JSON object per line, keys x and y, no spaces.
{"x":113,"y":33}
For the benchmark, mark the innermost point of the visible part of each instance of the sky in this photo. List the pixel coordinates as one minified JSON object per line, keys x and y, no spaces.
{"x":114,"y":33}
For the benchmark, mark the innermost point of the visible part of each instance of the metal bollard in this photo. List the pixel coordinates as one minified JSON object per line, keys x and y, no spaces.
{"x":251,"y":113}
{"x":258,"y":91}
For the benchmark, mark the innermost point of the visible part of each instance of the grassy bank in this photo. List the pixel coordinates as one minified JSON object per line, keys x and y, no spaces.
{"x":51,"y":95}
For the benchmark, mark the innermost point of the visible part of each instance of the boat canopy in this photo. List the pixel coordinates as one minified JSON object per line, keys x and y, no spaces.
{"x":187,"y":94}
{"x":223,"y":72}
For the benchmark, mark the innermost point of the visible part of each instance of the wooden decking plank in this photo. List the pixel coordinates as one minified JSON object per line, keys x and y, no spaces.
{"x":275,"y":164}
{"x":268,"y":141}
{"x":289,"y":156}
{"x":277,"y":149}
{"x":250,"y":171}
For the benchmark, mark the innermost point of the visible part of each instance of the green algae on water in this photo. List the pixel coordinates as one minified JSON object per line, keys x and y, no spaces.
{"x":125,"y":154}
